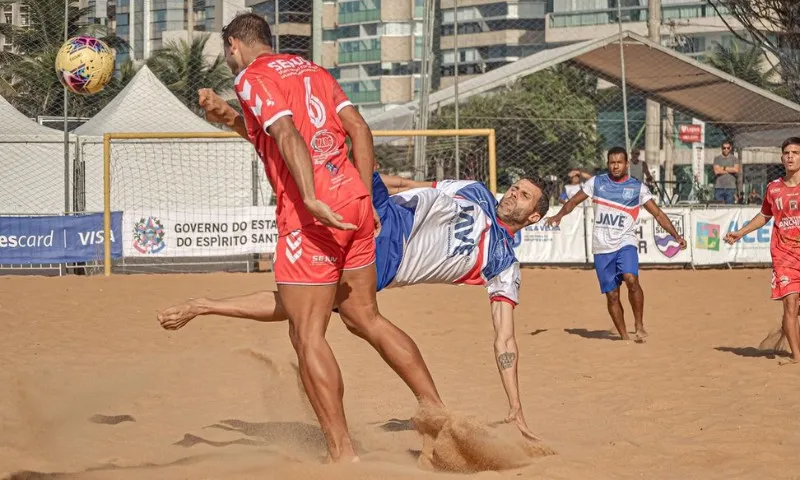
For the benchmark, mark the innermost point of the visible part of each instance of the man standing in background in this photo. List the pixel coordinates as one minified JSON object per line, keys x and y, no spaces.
{"x":639,"y":169}
{"x":726,"y":168}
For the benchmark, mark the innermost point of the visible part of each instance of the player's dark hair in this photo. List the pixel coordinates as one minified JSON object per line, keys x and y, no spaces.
{"x":790,"y":141}
{"x":727,"y":141}
{"x":617,"y":151}
{"x":249,"y":28}
{"x":543,"y":204}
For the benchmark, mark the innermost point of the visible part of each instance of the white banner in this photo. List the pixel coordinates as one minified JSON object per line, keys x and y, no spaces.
{"x":562,"y":244}
{"x":699,"y":154}
{"x":656,"y":246}
{"x":199,"y":233}
{"x":710,"y":227}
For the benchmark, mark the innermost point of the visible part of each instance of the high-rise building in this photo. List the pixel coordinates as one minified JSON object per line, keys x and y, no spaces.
{"x":290,"y":21}
{"x":490,"y":34}
{"x":689,"y":26}
{"x":15,"y":13}
{"x":374,"y":47}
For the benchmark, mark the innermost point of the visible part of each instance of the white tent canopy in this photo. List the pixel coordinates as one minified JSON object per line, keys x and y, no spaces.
{"x":163,"y":173}
{"x":31,"y":165}
{"x":144,"y":105}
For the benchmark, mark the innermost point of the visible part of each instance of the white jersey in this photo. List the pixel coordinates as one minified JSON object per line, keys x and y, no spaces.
{"x":616,"y":209}
{"x":456,"y":238}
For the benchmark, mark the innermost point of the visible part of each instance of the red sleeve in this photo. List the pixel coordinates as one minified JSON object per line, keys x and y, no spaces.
{"x":339,"y":97}
{"x":500,"y":298}
{"x":262,"y":96}
{"x":766,"y":205}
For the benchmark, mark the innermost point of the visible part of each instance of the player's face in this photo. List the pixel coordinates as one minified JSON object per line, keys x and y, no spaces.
{"x":791,"y":158}
{"x":617,"y":166}
{"x":518,"y":204}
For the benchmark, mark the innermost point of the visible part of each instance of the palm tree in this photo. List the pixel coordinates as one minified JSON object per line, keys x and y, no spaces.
{"x":184,"y":68}
{"x":745,"y":64}
{"x":27,"y":75}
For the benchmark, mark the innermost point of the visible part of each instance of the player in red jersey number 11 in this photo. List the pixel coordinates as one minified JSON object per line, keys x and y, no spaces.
{"x":782,"y":204}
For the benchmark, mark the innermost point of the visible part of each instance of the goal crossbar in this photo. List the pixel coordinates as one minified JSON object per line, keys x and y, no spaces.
{"x":489,"y":133}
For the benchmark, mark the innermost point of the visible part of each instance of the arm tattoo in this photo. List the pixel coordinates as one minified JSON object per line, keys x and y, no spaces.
{"x":505,"y":360}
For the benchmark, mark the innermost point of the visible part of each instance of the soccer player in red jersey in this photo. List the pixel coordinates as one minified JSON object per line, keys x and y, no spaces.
{"x":782,"y":203}
{"x":298,"y":117}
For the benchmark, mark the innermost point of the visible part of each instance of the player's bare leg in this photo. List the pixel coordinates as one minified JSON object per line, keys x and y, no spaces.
{"x":309,"y":312}
{"x":791,"y":327}
{"x":260,"y":306}
{"x":636,"y":297}
{"x":358,"y":308}
{"x":616,"y":312}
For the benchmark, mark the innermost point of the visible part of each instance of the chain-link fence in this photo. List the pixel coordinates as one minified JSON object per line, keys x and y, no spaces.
{"x":549,"y":78}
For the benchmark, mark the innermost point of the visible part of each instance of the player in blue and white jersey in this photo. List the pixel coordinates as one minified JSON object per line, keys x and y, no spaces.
{"x":617,"y":198}
{"x":450,"y":232}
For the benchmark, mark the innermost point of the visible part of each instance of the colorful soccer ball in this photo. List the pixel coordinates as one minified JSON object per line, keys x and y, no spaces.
{"x":85,"y":65}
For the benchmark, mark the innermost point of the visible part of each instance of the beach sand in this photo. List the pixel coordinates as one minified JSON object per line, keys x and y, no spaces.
{"x":93,"y":388}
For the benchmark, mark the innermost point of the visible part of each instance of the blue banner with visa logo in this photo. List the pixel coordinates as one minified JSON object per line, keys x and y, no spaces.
{"x":57,"y":238}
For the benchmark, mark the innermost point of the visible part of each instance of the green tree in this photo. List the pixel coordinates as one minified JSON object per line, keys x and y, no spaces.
{"x":772,"y":26}
{"x":745,"y":63}
{"x":27,"y":75}
{"x":184,"y":69}
{"x":544,"y":126}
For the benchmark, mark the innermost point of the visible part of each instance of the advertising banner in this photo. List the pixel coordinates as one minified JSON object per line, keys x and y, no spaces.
{"x":710,"y":227}
{"x":199,"y":233}
{"x":563,"y":244}
{"x":57,"y":238}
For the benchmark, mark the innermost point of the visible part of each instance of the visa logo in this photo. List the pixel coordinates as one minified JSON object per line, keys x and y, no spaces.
{"x":612,"y":220}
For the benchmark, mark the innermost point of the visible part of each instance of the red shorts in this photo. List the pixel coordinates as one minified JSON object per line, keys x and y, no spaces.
{"x":316,"y":254}
{"x":785,"y":281}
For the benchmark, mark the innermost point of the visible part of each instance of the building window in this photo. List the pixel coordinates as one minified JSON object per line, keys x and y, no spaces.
{"x":360,"y":51}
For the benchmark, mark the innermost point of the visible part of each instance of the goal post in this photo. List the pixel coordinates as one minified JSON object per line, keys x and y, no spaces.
{"x":165,"y":184}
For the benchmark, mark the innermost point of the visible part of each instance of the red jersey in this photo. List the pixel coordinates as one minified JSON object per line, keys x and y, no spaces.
{"x":274,"y":86}
{"x":783,"y":203}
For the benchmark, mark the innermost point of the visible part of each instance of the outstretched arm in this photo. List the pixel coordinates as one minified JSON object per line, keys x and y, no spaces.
{"x":399,"y":184}
{"x":260,"y":306}
{"x":757,"y":222}
{"x":567,"y":208}
{"x":664,"y":221}
{"x":507,"y":356}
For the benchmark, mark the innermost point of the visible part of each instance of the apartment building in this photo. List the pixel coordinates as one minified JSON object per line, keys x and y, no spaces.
{"x":374,"y":47}
{"x":15,"y":13}
{"x":689,"y":26}
{"x":490,"y":34}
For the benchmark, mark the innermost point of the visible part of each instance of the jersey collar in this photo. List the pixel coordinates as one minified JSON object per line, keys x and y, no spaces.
{"x":621,"y":180}
{"x":506,"y":228}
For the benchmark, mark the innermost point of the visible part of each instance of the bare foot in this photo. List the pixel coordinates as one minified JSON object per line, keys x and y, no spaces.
{"x":641,"y":332}
{"x":177,"y":316}
{"x":640,"y":335}
{"x":343,"y":459}
{"x":790,"y":361}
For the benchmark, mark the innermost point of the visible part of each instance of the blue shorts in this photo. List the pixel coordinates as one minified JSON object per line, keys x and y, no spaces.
{"x":610,"y":267}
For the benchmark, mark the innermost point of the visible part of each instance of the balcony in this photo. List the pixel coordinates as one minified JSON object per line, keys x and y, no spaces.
{"x":358,"y":98}
{"x":360,"y":51}
{"x":630,"y":14}
{"x":360,"y":56}
{"x":359,"y":11}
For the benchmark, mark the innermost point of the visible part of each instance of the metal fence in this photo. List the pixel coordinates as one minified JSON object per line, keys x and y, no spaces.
{"x":427,"y":58}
